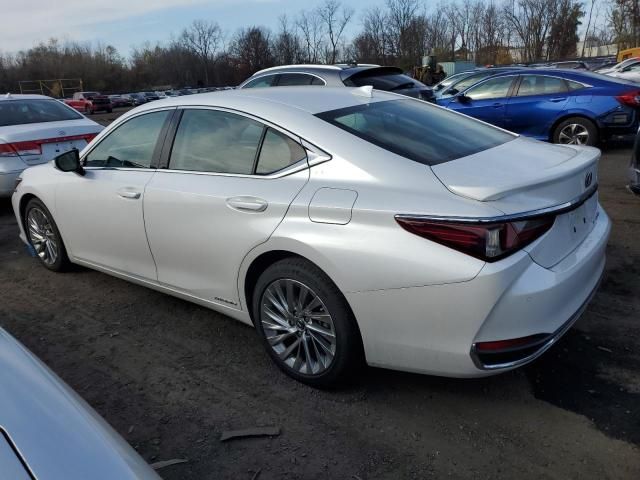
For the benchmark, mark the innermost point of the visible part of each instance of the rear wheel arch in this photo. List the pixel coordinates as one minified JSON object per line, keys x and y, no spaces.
{"x":263,"y":261}
{"x":566,"y":116}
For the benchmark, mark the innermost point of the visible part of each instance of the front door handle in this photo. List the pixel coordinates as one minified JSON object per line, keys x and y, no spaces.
{"x":247,"y":204}
{"x":128,"y":193}
{"x":497,"y":105}
{"x":557,"y":99}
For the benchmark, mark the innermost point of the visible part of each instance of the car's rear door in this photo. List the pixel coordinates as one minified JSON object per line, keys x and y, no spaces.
{"x":538,"y":102}
{"x":228,"y":183}
{"x":487,"y":100}
{"x":100,"y":214}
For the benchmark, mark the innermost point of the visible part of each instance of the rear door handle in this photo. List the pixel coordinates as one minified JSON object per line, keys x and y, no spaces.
{"x":247,"y":204}
{"x":129,"y":193}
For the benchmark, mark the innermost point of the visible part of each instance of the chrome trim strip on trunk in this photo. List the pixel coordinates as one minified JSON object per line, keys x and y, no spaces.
{"x":556,"y":209}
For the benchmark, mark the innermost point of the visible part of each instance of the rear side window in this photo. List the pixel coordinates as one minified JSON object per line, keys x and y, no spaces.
{"x":215,"y":141}
{"x":416,"y":130}
{"x":278,"y":151}
{"x":297,"y":79}
{"x":131,"y":145}
{"x":20,"y":112}
{"x":540,"y":85}
{"x":260,"y":82}
{"x":574,"y":86}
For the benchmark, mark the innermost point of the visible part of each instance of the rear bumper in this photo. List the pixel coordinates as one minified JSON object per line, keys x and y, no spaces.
{"x":432,"y":329}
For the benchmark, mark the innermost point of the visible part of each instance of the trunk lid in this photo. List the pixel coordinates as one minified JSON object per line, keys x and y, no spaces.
{"x":53,"y":137}
{"x":525,"y":175}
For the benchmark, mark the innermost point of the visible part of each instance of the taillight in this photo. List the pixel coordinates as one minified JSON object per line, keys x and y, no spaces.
{"x":20,"y":148}
{"x":486,"y":241}
{"x":631,"y":99}
{"x":34,"y":147}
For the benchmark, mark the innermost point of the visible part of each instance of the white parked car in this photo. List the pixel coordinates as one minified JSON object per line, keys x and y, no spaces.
{"x":630,"y":72}
{"x":619,"y":66}
{"x":346,"y":224}
{"x":47,"y":432}
{"x":33,"y":130}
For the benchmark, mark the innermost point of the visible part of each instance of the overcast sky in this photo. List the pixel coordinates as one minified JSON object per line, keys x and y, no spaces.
{"x":128,"y":23}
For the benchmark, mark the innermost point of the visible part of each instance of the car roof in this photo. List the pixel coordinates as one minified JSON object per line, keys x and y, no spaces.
{"x":22,"y":96}
{"x":282,"y":105}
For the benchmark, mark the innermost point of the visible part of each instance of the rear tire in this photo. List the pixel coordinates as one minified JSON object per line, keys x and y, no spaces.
{"x":576,"y":131}
{"x":44,"y":236}
{"x":305,"y":324}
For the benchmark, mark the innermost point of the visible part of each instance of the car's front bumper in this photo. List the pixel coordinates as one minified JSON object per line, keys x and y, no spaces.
{"x":432,"y":329}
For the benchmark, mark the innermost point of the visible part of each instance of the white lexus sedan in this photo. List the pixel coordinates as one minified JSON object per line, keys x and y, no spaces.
{"x":33,"y":130}
{"x":345,"y":224}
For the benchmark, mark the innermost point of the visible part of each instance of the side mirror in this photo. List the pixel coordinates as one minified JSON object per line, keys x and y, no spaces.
{"x":69,"y":162}
{"x":462,"y":98}
{"x":453,"y":91}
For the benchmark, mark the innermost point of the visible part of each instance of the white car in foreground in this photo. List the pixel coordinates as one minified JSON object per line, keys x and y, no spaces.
{"x":346,"y":224}
{"x":33,"y":130}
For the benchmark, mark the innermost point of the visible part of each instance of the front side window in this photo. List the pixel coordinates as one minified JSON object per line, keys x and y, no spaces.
{"x":265,"y":81}
{"x":278,"y":151}
{"x":471,"y":80}
{"x":416,"y":130}
{"x":492,"y":88}
{"x":131,"y":145}
{"x":540,"y":85}
{"x":20,"y":112}
{"x":215,"y":141}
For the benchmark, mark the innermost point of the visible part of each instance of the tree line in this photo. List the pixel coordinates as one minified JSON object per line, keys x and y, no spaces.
{"x":398,"y":33}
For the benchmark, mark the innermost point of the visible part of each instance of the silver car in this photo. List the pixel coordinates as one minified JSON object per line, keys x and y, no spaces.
{"x":346,"y":224}
{"x":390,"y":79}
{"x":47,"y":432}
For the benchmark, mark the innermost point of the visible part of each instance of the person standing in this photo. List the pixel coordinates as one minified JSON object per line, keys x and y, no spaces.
{"x":427,"y":76}
{"x":439,"y":74}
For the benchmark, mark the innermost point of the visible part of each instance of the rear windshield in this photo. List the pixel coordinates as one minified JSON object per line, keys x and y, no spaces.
{"x":388,"y":82}
{"x":417,"y":130}
{"x":19,"y":112}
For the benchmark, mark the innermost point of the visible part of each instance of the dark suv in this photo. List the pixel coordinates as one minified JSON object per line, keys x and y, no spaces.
{"x":390,"y":79}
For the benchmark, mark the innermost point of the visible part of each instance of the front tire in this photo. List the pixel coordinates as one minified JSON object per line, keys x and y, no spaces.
{"x":44,"y":236}
{"x":305,"y":324}
{"x":576,"y":131}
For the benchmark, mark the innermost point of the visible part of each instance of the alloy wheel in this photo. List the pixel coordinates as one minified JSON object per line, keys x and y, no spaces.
{"x":42,"y":236}
{"x":298,"y":327}
{"x":574,"y":134}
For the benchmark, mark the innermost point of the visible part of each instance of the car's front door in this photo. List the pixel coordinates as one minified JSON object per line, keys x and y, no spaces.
{"x":485,"y":101}
{"x":100,"y":214}
{"x":229,"y":182}
{"x":538,"y":101}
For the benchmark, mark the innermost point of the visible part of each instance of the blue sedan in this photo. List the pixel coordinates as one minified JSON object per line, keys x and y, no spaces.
{"x":562,"y":106}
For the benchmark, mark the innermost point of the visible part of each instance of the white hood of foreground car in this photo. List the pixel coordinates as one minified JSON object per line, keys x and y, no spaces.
{"x":522,"y":175}
{"x":45,"y":424}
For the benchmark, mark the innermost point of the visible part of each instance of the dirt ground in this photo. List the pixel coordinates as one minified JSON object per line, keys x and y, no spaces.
{"x":171,"y":377}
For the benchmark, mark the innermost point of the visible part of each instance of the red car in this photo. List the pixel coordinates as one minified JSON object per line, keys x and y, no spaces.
{"x":90,"y":102}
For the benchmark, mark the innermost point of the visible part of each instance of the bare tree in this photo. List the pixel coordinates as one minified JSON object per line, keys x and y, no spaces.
{"x":335,"y":17}
{"x":286,"y":46}
{"x":203,"y":39}
{"x":312,"y":31}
